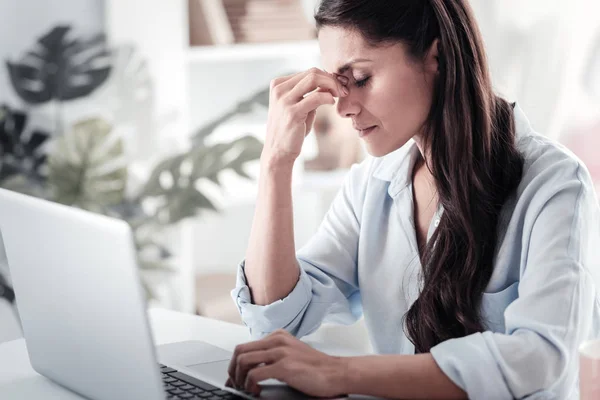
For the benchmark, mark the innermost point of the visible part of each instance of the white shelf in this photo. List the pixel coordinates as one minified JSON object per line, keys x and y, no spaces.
{"x":243,"y":52}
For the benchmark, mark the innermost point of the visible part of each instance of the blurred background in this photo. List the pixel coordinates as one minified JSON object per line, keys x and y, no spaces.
{"x":154,"y":111}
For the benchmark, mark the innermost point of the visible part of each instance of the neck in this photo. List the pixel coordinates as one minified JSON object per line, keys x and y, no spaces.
{"x":425,"y":153}
{"x":422,"y":166}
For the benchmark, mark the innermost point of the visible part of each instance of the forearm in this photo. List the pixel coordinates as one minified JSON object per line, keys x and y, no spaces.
{"x":398,"y":376}
{"x":271,"y":267}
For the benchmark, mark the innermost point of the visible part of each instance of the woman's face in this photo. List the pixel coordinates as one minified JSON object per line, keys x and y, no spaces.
{"x":389,"y":92}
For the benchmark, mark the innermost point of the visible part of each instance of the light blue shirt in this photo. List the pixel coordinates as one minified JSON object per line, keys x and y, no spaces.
{"x":541,"y":303}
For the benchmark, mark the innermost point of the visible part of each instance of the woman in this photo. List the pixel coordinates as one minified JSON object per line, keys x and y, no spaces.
{"x":470,"y":248}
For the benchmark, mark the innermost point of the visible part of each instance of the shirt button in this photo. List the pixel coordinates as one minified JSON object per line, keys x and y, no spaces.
{"x":437,"y":222}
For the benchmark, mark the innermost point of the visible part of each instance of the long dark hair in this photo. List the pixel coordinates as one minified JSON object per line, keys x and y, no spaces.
{"x":470,"y":133}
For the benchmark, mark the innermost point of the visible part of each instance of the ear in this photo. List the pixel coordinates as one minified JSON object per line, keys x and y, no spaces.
{"x":432,"y":59}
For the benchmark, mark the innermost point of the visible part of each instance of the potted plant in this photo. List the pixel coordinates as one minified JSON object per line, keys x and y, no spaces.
{"x":85,"y":164}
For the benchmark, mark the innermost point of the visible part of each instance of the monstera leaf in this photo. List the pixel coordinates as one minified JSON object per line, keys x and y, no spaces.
{"x":173,"y":181}
{"x":60,"y":67}
{"x":87,"y":167}
{"x":21,"y":153}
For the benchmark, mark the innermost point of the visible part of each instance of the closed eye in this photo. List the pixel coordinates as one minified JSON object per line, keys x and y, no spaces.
{"x":362,"y":82}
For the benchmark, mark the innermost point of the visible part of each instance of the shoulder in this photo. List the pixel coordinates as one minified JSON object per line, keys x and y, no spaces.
{"x":556,"y":194}
{"x":549,"y":167}
{"x":547,"y":163}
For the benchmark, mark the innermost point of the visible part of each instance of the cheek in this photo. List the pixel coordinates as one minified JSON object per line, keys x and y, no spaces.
{"x":404,"y":104}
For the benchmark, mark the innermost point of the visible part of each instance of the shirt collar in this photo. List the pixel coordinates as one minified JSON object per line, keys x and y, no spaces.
{"x":397,"y":167}
{"x":522,"y":124}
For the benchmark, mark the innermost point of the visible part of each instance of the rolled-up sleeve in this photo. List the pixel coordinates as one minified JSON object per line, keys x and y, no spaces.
{"x":327,"y":288}
{"x":285,"y":313}
{"x":536,"y":356}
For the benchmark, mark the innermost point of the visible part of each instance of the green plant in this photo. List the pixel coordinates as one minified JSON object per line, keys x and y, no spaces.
{"x":87,"y":167}
{"x":60,"y":68}
{"x":175,"y":194}
{"x":22,"y":159}
{"x":173,"y":184}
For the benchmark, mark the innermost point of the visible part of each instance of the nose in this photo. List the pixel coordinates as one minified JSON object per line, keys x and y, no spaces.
{"x":347,"y":106}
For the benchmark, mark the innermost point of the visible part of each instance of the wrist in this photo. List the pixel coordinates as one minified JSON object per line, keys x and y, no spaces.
{"x":277,"y":161}
{"x":341,"y":380}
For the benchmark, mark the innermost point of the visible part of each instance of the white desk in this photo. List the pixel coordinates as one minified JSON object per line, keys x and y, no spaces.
{"x":18,"y":381}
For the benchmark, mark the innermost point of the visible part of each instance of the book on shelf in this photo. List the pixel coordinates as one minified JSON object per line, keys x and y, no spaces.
{"x":209,"y":24}
{"x":248,"y":21}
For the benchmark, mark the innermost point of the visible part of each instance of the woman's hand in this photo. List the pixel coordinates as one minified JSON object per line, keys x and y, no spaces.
{"x":283,"y":357}
{"x":291,"y":114}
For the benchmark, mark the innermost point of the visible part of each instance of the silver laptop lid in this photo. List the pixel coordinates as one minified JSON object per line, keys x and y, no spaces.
{"x":78,"y":294}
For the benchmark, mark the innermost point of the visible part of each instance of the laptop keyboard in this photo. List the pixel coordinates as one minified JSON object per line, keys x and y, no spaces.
{"x":181,"y":386}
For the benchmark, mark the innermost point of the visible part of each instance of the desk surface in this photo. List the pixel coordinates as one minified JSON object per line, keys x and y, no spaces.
{"x":19,"y":381}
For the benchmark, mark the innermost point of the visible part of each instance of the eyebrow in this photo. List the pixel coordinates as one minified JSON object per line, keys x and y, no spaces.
{"x":347,"y":66}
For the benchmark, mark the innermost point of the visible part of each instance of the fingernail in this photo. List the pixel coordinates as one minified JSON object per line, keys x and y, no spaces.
{"x":344,"y":80}
{"x":345,"y":90}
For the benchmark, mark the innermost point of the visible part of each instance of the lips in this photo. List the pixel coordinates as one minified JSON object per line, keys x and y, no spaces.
{"x":362,"y":132}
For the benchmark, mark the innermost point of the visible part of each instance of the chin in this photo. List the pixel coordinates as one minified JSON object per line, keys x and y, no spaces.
{"x":380,"y":151}
{"x":380,"y":144}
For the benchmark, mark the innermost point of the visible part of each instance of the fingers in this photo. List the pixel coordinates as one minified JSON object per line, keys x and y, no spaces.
{"x":282,"y":79}
{"x":312,"y":79}
{"x":292,"y":102}
{"x":316,"y":80}
{"x":261,"y":351}
{"x":288,"y":84}
{"x":259,"y":374}
{"x":311,"y":103}
{"x":310,"y":120}
{"x":242,"y":349}
{"x":249,"y":361}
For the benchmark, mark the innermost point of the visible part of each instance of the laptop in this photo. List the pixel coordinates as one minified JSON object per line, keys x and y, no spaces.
{"x":83,"y":312}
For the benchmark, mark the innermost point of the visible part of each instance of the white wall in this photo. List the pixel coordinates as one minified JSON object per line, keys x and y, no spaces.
{"x":214,"y":86}
{"x":537,"y":50}
{"x":159,"y":31}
